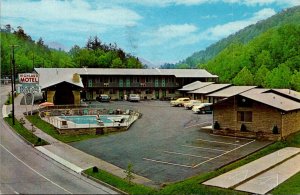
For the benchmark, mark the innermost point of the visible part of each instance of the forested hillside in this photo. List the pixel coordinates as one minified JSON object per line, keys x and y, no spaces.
{"x":288,"y":16}
{"x":30,"y":54}
{"x":270,"y":60}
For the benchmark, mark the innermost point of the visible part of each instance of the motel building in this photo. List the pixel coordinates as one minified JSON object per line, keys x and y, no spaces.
{"x":259,"y":110}
{"x":70,"y":85}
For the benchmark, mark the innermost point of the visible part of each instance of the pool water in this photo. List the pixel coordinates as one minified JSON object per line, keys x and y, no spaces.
{"x":86,"y":119}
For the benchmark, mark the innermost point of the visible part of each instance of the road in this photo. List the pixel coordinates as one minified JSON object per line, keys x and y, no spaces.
{"x":24,"y":170}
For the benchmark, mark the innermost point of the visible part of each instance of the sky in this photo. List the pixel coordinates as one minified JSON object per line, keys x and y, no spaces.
{"x":159,"y":31}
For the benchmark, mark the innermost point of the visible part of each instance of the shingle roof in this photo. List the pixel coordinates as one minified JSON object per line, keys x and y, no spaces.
{"x":210,"y":88}
{"x":191,"y":73}
{"x":272,"y":99}
{"x":231,"y":91}
{"x":50,"y":76}
{"x":195,"y":85}
{"x":288,"y":92}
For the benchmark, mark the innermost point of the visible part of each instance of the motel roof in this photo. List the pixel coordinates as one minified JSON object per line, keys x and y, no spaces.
{"x":272,"y":99}
{"x":288,"y":93}
{"x":210,"y":88}
{"x":50,"y":76}
{"x":195,"y":85}
{"x":231,"y":91}
{"x":179,"y":73}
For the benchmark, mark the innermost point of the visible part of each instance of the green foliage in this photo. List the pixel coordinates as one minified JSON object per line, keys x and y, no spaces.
{"x":295,"y":80}
{"x":244,"y":77}
{"x":243,"y":128}
{"x":216,"y":125}
{"x":275,"y":130}
{"x":30,"y":54}
{"x":119,"y":183}
{"x":276,"y":50}
{"x":25,"y":133}
{"x":129,"y":174}
{"x":244,"y":36}
{"x":279,"y":77}
{"x":260,"y":76}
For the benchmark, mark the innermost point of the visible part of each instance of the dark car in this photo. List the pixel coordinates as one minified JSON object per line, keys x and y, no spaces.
{"x":103,"y":98}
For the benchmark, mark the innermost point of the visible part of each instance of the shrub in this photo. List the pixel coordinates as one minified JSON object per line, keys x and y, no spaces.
{"x":22,"y":121}
{"x":243,"y":128}
{"x":129,"y":174}
{"x":216,"y":125}
{"x":275,"y":130}
{"x":10,"y":115}
{"x":95,"y":169}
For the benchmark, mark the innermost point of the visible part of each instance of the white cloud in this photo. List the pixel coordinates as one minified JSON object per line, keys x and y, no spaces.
{"x":167,"y":33}
{"x":163,"y":3}
{"x":221,"y":31}
{"x":60,"y":12}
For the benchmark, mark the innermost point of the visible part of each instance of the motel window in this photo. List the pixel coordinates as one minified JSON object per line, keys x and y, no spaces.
{"x":148,"y":79}
{"x":244,"y":116}
{"x":112,"y":79}
{"x":136,"y":79}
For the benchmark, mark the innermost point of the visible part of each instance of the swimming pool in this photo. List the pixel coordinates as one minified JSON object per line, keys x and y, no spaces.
{"x":86,"y":119}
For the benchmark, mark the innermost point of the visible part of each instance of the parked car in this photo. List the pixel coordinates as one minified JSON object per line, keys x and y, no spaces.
{"x":179,"y":101}
{"x":204,"y":108}
{"x":134,"y":98}
{"x":191,"y":104}
{"x":103,"y":98}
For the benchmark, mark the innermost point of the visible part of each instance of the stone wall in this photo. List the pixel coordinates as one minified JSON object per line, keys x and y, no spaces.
{"x":290,"y":123}
{"x":224,"y":113}
{"x":263,"y":117}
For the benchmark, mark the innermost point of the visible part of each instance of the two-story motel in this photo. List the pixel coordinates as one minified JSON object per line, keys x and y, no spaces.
{"x":69,"y":85}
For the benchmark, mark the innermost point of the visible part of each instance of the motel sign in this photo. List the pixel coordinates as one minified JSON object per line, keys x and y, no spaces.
{"x":27,"y":78}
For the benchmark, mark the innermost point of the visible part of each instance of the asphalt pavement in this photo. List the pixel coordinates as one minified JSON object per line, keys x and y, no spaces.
{"x":25,"y":170}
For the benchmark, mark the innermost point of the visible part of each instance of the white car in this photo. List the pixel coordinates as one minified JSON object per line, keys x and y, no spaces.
{"x":191,"y":104}
{"x":134,"y":98}
{"x":203,"y":108}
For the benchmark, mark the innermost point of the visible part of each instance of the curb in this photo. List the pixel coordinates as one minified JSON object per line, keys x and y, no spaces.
{"x":103,"y":183}
{"x":4,"y":113}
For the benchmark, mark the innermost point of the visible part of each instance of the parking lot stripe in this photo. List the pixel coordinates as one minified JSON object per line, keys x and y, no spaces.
{"x":223,"y":154}
{"x":230,"y":137}
{"x":186,"y":154}
{"x":204,"y":148}
{"x":218,"y":142}
{"x":164,"y":162}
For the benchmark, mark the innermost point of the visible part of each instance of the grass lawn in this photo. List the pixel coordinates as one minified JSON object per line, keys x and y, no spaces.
{"x":120,"y":183}
{"x":50,"y":129}
{"x":193,"y":185}
{"x":29,"y":136}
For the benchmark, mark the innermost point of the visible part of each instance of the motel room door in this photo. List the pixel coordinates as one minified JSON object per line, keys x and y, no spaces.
{"x":121,"y":94}
{"x":157,"y":94}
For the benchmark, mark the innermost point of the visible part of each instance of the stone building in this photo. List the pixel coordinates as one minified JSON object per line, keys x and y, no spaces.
{"x":260,"y":110}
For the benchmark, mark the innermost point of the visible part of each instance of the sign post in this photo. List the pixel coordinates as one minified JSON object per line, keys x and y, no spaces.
{"x":29,"y":86}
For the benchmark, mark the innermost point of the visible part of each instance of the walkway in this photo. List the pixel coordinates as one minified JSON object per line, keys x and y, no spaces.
{"x":68,"y":156}
{"x":263,"y":174}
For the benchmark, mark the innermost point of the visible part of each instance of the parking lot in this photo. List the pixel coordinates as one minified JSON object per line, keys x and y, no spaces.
{"x":166,"y":144}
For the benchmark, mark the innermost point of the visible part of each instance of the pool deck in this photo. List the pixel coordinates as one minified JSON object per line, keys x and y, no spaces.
{"x":58,"y":122}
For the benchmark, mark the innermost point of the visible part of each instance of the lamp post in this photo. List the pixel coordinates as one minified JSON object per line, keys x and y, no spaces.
{"x":13,"y":82}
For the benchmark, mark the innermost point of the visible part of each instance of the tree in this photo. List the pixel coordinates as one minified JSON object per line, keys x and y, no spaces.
{"x":279,"y":77}
{"x":40,"y":42}
{"x":244,"y":77}
{"x":116,"y":63}
{"x":260,"y":76}
{"x":295,"y":81}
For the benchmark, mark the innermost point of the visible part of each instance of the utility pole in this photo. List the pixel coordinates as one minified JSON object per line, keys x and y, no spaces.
{"x":13,"y":76}
{"x":12,"y":91}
